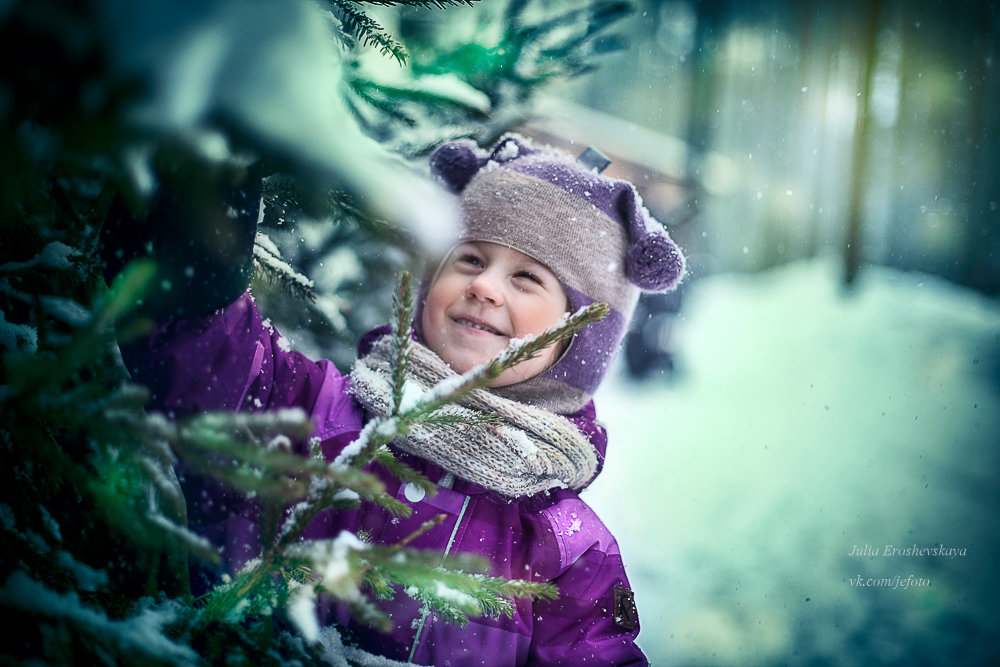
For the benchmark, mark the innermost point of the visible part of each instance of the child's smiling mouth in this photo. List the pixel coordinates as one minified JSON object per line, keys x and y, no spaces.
{"x":478,"y":325}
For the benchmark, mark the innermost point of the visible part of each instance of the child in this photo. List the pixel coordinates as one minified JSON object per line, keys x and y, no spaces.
{"x":543,"y":235}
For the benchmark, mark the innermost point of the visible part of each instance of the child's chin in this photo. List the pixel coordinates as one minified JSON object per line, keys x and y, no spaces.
{"x":465,"y":364}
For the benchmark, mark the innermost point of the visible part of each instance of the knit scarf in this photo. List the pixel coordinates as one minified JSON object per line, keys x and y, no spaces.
{"x":527,"y":451}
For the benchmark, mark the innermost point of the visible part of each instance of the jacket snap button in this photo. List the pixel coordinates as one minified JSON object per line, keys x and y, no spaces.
{"x":413,"y":492}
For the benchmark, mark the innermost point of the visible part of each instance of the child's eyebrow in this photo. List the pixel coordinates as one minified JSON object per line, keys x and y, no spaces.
{"x":534,"y":265}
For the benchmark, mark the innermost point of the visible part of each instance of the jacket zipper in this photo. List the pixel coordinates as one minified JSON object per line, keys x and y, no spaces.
{"x":425,"y":612}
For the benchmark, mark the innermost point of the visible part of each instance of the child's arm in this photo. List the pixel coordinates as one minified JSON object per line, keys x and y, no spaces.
{"x":234,"y":360}
{"x":211,"y":349}
{"x":593,"y":621}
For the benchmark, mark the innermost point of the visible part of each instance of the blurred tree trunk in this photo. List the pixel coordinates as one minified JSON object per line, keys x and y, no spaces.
{"x":982,"y":239}
{"x":704,"y":81}
{"x":868,"y":33}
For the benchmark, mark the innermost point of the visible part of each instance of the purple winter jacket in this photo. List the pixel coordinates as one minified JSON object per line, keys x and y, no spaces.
{"x":234,"y":360}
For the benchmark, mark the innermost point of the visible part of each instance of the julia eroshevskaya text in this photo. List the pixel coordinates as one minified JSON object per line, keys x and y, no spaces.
{"x":889,"y":550}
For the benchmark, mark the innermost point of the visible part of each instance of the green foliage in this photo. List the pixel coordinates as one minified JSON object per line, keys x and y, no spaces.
{"x":535,"y":45}
{"x":94,"y":541}
{"x":355,"y":24}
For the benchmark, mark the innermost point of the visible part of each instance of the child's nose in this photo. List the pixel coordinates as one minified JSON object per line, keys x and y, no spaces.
{"x":485,"y":287}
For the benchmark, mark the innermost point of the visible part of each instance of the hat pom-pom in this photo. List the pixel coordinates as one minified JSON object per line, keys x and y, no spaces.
{"x":456,"y":162}
{"x":654,"y":263}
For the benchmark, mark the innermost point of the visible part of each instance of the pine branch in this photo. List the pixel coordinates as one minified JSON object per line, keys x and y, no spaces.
{"x":423,"y":4}
{"x":403,"y":472}
{"x":383,"y":430}
{"x":517,"y":351}
{"x":423,"y":528}
{"x":232,"y":448}
{"x":400,"y":343}
{"x":453,"y":587}
{"x":268,"y":262}
{"x":372,"y":94}
{"x":366,"y":30}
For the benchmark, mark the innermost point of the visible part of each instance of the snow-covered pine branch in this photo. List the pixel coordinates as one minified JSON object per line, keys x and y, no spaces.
{"x":269,"y":263}
{"x":518,"y":350}
{"x":455,"y":587}
{"x":356,"y":24}
{"x":399,"y":351}
{"x":381,"y":431}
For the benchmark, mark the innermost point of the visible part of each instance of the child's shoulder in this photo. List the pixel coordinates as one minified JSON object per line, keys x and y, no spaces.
{"x":577,"y":528}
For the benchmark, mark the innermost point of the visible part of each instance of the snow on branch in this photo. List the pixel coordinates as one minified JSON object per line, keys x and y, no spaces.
{"x":268,"y":262}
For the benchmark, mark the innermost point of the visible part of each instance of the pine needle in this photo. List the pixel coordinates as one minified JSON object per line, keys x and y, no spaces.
{"x":268,"y":263}
{"x":424,"y":4}
{"x":403,"y":472}
{"x":400,"y":343}
{"x":366,"y":30}
{"x":515,"y":353}
{"x":423,"y":528}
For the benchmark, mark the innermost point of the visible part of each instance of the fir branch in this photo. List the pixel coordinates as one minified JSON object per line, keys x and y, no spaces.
{"x":569,"y":55}
{"x":193,"y":543}
{"x":380,"y":587}
{"x":168,"y":488}
{"x":383,"y":430}
{"x":403,"y":472}
{"x":387,"y":97}
{"x":423,"y":528}
{"x":376,"y":433}
{"x":332,"y":486}
{"x":223,"y":600}
{"x":455,"y":588}
{"x":366,"y":30}
{"x":517,"y":351}
{"x":268,"y":262}
{"x":400,"y":343}
{"x":423,"y":4}
{"x":231,"y":448}
{"x":45,"y":377}
{"x":372,"y":94}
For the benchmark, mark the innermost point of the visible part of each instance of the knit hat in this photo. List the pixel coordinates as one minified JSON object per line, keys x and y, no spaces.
{"x":591,"y":231}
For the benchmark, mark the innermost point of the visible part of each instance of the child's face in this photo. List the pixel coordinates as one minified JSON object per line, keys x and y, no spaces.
{"x":485,"y":295}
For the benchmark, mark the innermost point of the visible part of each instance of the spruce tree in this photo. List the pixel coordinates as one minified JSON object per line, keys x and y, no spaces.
{"x":106,"y":107}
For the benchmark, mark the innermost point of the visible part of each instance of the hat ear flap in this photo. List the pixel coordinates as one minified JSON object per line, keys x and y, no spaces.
{"x":653,"y":262}
{"x":456,"y":162}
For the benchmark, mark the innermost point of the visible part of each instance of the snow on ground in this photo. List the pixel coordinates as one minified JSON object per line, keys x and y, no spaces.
{"x":803,"y":420}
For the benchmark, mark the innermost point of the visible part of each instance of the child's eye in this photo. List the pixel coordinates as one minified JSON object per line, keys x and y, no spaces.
{"x":471,"y":260}
{"x":530,"y":276}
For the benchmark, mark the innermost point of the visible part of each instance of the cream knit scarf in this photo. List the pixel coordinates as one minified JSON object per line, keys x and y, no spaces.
{"x":527,"y":451}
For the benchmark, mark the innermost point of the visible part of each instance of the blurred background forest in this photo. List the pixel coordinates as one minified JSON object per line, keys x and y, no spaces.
{"x":807,"y":126}
{"x":828,"y":375}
